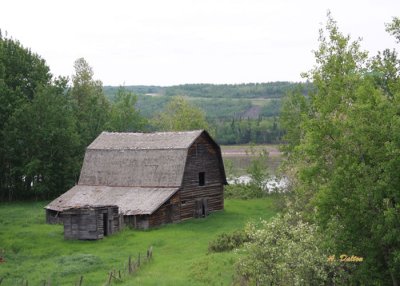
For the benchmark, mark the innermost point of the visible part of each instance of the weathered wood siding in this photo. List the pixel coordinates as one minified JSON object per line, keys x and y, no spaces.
{"x":196,"y":200}
{"x":89,"y":222}
{"x":169,"y":212}
{"x":53,"y":217}
{"x":137,"y":221}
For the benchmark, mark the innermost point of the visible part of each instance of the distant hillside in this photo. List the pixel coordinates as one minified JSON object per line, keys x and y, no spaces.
{"x":248,"y":90}
{"x":239,"y":113}
{"x":219,"y":101}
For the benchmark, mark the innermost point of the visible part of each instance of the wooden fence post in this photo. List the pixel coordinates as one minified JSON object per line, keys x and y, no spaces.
{"x":139,"y":260}
{"x":80,"y":281}
{"x":150,"y":252}
{"x":129,"y":265}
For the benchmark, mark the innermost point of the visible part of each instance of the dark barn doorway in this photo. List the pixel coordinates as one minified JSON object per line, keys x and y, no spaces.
{"x":105,"y":224}
{"x":201,"y":207}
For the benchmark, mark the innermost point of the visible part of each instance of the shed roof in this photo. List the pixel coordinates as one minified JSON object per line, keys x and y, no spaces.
{"x":131,"y":201}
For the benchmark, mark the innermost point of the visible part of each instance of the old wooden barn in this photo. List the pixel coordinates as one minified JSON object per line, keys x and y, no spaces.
{"x":153,"y":179}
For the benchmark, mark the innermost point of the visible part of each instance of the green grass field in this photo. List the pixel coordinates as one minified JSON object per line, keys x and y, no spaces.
{"x":37,"y":252}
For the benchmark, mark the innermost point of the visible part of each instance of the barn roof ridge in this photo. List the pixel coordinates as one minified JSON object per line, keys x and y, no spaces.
{"x":137,"y":149}
{"x":116,"y":186}
{"x":174,"y":140}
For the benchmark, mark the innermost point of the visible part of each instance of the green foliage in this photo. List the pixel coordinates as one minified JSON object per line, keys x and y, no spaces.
{"x":288,"y":251}
{"x":23,"y":74}
{"x":294,"y":108}
{"x":228,"y":241}
{"x":91,"y":107}
{"x":239,"y":114}
{"x":221,"y":109}
{"x":345,"y":160}
{"x":215,"y":91}
{"x":244,"y":131}
{"x":150,"y":105}
{"x":45,"y":125}
{"x":124,"y":117}
{"x":394,"y":28}
{"x":180,"y":115}
{"x":257,"y":171}
{"x":250,"y":90}
{"x":42,"y":145}
{"x":242,"y":191}
{"x":272,"y":108}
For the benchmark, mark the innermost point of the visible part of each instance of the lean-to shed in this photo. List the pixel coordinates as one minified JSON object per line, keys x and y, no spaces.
{"x":153,"y":178}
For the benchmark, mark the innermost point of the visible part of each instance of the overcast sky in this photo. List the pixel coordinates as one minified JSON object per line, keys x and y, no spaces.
{"x":168,"y":42}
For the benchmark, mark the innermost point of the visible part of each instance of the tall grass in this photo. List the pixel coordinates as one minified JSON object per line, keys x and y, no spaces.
{"x":36,"y":252}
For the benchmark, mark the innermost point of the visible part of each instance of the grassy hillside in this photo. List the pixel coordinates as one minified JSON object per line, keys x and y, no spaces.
{"x":219,"y":101}
{"x":37,"y":252}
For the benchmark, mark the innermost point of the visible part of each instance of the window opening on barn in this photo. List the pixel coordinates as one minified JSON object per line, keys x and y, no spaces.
{"x":202,"y":178}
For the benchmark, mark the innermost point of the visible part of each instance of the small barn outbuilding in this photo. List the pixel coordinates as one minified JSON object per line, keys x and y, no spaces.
{"x":90,"y":222}
{"x":153,"y":179}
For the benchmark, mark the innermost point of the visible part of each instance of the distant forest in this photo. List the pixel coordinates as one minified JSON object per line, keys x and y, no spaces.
{"x":246,"y":90}
{"x":236,"y":113}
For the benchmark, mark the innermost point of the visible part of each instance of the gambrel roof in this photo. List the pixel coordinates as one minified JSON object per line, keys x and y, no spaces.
{"x":137,"y":159}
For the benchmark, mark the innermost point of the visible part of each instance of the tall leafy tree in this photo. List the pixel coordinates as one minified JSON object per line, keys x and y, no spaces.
{"x":43,"y":144}
{"x":22,"y":73}
{"x":91,"y":107}
{"x":180,"y":115}
{"x":345,"y":159}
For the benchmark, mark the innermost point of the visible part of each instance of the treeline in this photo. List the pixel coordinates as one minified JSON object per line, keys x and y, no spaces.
{"x":249,"y":90}
{"x":46,"y":122}
{"x":244,"y":131}
{"x":246,"y":90}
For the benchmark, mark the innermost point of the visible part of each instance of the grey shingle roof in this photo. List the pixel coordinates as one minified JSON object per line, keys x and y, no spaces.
{"x":137,"y":159}
{"x":131,"y":201}
{"x":134,"y":168}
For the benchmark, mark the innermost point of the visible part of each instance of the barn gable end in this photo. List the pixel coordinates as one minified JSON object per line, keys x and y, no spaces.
{"x":203,"y":180}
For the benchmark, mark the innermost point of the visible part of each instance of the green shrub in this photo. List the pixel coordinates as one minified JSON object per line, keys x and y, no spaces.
{"x":289,"y":251}
{"x":243,"y":191}
{"x":226,"y":242}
